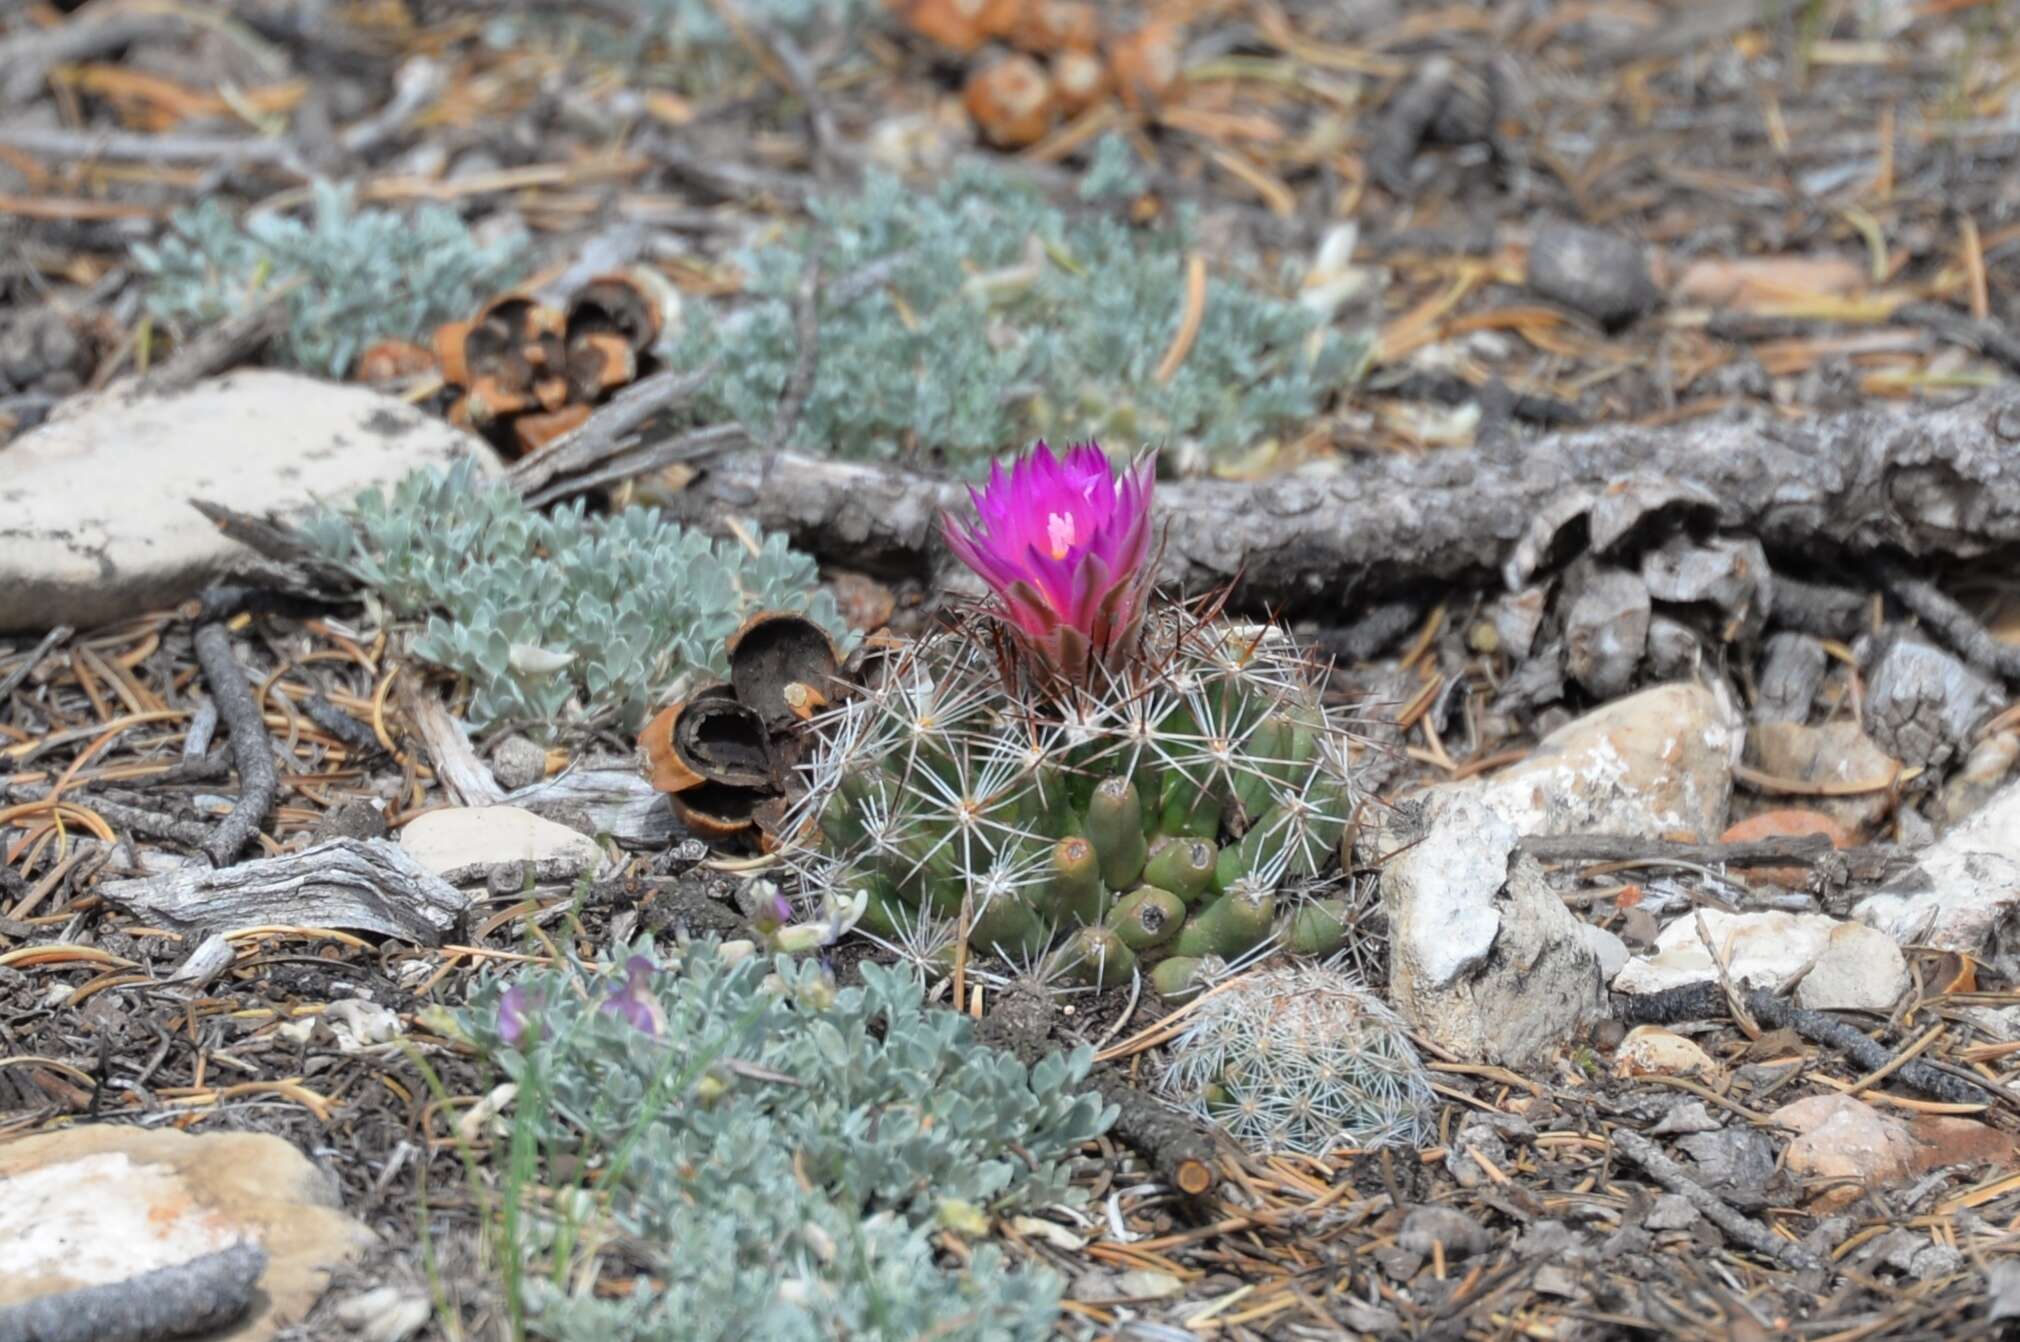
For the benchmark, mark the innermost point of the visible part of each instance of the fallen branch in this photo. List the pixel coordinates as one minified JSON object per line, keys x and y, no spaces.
{"x":356,"y":735}
{"x":1708,"y":1001}
{"x":1711,"y":1206}
{"x":25,"y":61}
{"x":203,"y":1294}
{"x":216,"y":348}
{"x":252,"y":750}
{"x":1931,"y":482}
{"x":467,"y":779}
{"x":1835,"y":867}
{"x":1183,"y":1155}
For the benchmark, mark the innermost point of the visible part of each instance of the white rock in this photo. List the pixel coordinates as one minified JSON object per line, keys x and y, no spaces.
{"x":97,"y":1204}
{"x":1859,"y":969}
{"x":1842,"y":1137}
{"x":1608,"y":948}
{"x":1653,"y":764}
{"x":1763,"y":950}
{"x":95,"y":503}
{"x":1485,"y":959}
{"x":459,"y":838}
{"x":1650,"y":1050}
{"x":358,"y":1024}
{"x":1964,"y":890}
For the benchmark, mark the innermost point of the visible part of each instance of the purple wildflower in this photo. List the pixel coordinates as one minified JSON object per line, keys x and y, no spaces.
{"x":634,"y":999}
{"x":519,"y":1015}
{"x":1063,"y":542}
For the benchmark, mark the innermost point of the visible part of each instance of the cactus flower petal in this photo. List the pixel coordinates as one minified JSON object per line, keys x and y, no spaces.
{"x":1064,"y":542}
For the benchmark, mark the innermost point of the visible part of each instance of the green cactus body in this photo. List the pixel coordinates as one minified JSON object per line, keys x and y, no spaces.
{"x":1147,"y":917}
{"x":1232,"y":925}
{"x":1115,"y":823}
{"x":1182,"y":865}
{"x":1096,"y":957}
{"x":1319,"y":928}
{"x":1189,"y":806}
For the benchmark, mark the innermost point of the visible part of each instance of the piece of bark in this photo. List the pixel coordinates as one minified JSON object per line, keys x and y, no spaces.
{"x":1792,"y":671}
{"x":1921,"y":703}
{"x":1822,"y":609}
{"x":462,"y":775}
{"x":198,"y":1296}
{"x":351,"y":884}
{"x":1935,"y":481}
{"x":1606,"y":632}
{"x":617,"y":802}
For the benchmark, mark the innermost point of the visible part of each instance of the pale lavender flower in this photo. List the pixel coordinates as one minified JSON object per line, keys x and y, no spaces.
{"x":634,"y":999}
{"x":519,"y":1015}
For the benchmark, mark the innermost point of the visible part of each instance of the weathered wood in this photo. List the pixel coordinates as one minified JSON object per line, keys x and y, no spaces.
{"x":466,"y":778}
{"x":367,"y":885}
{"x":618,"y":802}
{"x":1931,"y":481}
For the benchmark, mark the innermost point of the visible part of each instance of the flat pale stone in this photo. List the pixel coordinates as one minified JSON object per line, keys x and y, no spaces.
{"x":1849,"y":965}
{"x":461,"y":837}
{"x":1652,"y":765}
{"x":95,"y":504}
{"x":96,"y":1204}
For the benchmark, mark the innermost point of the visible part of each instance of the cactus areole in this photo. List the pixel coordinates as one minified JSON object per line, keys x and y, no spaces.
{"x":1145,"y":786}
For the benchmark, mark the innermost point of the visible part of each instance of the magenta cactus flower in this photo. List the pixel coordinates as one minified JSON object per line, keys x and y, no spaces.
{"x":1064,"y":542}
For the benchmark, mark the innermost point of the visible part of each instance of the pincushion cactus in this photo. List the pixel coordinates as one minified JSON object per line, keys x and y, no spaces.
{"x":1299,"y":1058}
{"x":1181,"y":795}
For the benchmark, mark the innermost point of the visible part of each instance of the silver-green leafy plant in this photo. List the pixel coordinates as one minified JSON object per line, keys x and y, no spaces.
{"x":1299,"y":1058}
{"x":560,"y":618}
{"x":691,"y":45}
{"x":960,"y":323}
{"x":770,"y":1156}
{"x":351,"y":276}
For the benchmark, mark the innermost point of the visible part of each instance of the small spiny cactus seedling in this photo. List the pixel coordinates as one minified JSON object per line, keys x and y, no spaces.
{"x":1299,"y":1058}
{"x":1086,"y":782}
